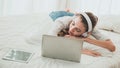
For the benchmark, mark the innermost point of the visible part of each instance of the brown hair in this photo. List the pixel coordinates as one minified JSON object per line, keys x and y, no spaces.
{"x":92,"y":17}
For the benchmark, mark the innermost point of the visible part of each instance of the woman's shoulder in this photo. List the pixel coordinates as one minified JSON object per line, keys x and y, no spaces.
{"x":64,"y":19}
{"x":59,"y":24}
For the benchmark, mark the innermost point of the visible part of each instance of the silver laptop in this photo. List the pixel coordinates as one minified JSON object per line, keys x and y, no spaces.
{"x":61,"y":48}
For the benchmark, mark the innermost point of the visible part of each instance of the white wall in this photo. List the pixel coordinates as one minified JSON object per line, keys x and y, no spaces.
{"x":100,"y":7}
{"x":18,"y":7}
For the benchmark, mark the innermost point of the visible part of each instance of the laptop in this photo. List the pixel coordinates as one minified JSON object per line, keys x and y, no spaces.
{"x":61,"y":48}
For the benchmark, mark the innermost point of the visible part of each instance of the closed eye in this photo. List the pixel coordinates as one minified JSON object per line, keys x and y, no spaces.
{"x":78,"y":30}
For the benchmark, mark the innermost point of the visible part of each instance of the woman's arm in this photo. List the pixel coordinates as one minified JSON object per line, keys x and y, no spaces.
{"x":102,"y":43}
{"x":91,"y":52}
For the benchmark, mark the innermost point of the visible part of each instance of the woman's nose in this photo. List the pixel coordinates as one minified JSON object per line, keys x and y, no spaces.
{"x":72,"y":29}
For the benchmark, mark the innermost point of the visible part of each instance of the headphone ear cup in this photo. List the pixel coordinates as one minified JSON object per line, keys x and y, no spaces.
{"x":84,"y":34}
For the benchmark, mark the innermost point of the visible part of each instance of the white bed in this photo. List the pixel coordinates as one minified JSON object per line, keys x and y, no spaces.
{"x":16,"y":30}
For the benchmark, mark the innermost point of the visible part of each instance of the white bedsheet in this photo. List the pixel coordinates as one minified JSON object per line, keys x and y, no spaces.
{"x":13,"y":32}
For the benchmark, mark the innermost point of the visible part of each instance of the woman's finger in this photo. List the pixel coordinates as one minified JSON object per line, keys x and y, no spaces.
{"x":97,"y":53}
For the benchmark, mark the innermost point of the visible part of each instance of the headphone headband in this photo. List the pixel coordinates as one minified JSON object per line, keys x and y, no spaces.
{"x":88,"y":21}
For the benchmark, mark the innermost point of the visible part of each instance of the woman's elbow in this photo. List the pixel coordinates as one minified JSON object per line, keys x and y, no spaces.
{"x":113,"y":48}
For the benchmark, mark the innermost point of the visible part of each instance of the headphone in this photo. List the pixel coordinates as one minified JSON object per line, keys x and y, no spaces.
{"x":88,"y":22}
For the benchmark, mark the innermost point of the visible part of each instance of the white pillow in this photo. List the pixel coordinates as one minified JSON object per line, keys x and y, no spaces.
{"x":109,"y":22}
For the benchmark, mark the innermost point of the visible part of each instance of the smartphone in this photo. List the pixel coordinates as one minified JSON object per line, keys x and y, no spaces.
{"x":18,"y":55}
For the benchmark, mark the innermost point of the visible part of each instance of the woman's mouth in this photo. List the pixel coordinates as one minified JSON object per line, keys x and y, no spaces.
{"x":70,"y":33}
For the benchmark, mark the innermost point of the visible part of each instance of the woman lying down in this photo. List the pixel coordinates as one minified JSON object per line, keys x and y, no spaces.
{"x":81,"y":26}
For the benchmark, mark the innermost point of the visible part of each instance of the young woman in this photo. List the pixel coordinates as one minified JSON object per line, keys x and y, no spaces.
{"x":82,"y":26}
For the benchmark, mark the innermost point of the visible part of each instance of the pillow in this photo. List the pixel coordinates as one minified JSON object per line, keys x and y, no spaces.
{"x":56,"y":14}
{"x":110,"y":23}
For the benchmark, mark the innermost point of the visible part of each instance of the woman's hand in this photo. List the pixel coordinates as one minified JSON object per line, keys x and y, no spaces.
{"x":86,"y":39}
{"x":91,"y":52}
{"x":69,"y":36}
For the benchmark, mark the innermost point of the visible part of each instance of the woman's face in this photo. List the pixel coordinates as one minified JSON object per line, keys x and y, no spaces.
{"x":76,"y":27}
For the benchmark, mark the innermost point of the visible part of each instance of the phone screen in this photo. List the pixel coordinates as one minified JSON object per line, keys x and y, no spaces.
{"x":18,"y":55}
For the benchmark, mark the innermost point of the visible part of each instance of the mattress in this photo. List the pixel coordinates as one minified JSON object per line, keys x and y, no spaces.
{"x":15,"y":29}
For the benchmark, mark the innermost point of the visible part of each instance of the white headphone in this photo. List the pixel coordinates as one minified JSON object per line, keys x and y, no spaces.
{"x":88,"y":22}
